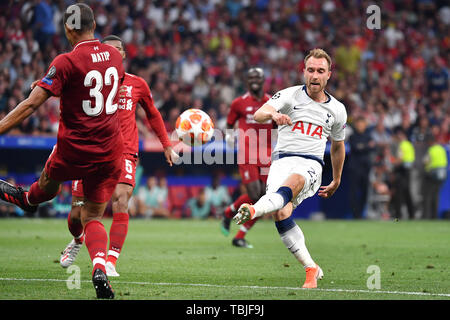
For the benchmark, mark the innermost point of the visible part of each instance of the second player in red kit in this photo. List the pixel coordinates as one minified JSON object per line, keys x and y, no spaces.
{"x":133,"y":92}
{"x":254,"y":150}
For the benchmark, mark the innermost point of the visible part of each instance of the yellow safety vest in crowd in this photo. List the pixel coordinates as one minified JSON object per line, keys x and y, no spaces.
{"x":407,"y":153}
{"x":437,"y":157}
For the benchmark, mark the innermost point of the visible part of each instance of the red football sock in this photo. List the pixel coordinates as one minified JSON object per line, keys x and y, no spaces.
{"x":96,"y":239}
{"x":117,"y":235}
{"x":75,"y":228}
{"x":36,"y":195}
{"x":245,"y":228}
{"x":230,"y":211}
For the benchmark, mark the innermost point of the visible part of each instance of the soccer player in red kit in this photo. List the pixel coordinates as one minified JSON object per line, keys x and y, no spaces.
{"x":89,"y":142}
{"x":254,"y":143}
{"x":134,"y":91}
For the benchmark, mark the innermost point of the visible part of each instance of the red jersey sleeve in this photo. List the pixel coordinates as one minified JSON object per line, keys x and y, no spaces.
{"x":233,"y":114}
{"x":153,"y":115}
{"x":57,"y":75}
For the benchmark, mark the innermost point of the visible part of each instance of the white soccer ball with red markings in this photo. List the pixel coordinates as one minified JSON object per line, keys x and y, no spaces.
{"x":194,"y":127}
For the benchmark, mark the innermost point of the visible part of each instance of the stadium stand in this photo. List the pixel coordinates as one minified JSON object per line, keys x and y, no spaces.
{"x":194,"y":53}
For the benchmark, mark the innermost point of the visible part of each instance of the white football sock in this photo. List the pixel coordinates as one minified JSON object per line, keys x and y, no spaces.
{"x":268,"y":203}
{"x":294,"y":240}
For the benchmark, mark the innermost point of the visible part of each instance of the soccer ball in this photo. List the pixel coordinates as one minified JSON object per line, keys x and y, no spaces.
{"x":194,"y":127}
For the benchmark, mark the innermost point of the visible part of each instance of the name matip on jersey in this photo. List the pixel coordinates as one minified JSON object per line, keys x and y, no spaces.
{"x":312,"y":122}
{"x":87,"y":79}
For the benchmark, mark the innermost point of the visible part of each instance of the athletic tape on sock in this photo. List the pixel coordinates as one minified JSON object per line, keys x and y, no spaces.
{"x":286,"y":193}
{"x":285,"y":225}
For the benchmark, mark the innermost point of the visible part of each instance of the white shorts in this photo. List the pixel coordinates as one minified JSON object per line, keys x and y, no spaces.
{"x":281,"y":169}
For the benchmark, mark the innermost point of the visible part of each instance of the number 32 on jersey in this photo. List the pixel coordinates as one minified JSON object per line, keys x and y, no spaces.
{"x":111,"y":78}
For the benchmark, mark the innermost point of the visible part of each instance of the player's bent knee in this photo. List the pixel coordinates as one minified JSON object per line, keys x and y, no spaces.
{"x":92,"y":211}
{"x":75,"y":214}
{"x":283,"y":213}
{"x":295,"y":182}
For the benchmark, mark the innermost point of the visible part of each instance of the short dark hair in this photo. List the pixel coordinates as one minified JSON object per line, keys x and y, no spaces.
{"x":85,"y":21}
{"x":113,"y":37}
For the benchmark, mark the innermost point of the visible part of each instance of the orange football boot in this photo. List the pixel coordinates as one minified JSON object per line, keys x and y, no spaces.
{"x":312,"y":275}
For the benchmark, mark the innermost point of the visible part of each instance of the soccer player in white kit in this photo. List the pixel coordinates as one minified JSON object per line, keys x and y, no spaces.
{"x":306,"y":116}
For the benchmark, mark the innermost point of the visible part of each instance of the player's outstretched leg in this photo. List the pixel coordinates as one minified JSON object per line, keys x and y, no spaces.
{"x":16,"y":195}
{"x":270,"y":202}
{"x":293,"y":238}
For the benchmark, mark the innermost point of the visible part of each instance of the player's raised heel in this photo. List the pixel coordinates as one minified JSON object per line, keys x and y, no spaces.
{"x":312,"y":275}
{"x":320,"y":274}
{"x":70,"y":253}
{"x":101,"y":285}
{"x":111,"y":270}
{"x":244,"y":214}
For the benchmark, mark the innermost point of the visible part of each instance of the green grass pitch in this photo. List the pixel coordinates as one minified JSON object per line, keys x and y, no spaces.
{"x":192,"y":260}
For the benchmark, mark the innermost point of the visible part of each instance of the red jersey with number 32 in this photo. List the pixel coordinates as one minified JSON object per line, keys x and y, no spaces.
{"x":242,"y":110}
{"x":138,"y":92}
{"x":87,"y":80}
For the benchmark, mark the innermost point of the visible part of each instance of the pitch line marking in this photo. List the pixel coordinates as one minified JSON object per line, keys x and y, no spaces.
{"x":242,"y":287}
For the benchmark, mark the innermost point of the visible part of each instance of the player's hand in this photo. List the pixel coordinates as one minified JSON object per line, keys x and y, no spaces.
{"x":170,"y":155}
{"x":329,"y":190}
{"x":34,"y":84}
{"x":281,"y":119}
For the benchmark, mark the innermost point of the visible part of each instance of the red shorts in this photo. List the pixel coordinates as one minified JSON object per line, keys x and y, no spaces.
{"x":127,"y":176}
{"x":100,"y":179}
{"x":251,"y":172}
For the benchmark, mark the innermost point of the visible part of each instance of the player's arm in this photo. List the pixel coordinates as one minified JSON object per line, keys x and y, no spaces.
{"x":24,"y":109}
{"x":267,"y":112}
{"x":337,"y":153}
{"x":157,"y":124}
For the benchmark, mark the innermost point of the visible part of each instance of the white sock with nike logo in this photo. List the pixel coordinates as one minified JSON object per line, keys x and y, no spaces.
{"x":294,"y":240}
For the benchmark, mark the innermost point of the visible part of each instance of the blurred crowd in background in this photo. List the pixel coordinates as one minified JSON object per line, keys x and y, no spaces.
{"x":195,"y":54}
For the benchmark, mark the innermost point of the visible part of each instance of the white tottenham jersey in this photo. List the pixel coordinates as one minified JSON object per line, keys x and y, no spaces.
{"x":312,"y":123}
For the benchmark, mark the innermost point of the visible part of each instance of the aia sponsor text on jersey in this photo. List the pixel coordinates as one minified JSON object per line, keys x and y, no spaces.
{"x":308,"y":128}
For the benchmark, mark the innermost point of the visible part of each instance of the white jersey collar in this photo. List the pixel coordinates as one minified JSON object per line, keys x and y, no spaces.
{"x":304,"y":98}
